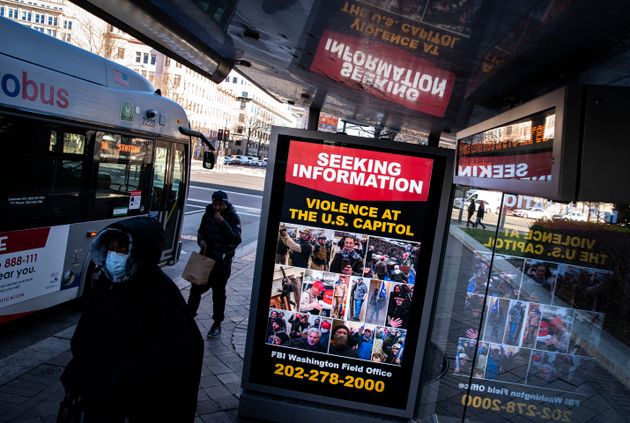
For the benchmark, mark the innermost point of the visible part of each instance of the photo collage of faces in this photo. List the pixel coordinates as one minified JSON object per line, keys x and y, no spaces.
{"x":342,"y":293}
{"x":533,"y":331}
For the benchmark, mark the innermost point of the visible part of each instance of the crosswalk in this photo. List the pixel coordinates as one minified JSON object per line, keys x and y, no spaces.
{"x":198,"y":205}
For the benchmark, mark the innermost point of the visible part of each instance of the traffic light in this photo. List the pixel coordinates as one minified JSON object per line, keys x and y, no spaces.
{"x":220,"y":135}
{"x":226,"y":135}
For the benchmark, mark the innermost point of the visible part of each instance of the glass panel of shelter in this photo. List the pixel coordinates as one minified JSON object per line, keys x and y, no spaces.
{"x":532,"y":315}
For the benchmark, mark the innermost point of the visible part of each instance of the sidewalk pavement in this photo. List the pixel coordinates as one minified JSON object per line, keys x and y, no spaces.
{"x":30,"y":390}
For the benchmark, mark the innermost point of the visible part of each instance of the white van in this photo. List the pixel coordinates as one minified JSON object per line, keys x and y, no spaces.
{"x":491,"y":198}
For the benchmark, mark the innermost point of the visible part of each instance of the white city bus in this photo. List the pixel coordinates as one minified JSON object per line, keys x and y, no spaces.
{"x":83,"y":142}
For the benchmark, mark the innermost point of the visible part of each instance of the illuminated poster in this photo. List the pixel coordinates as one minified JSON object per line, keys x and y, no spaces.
{"x":520,"y":150}
{"x":342,"y":298}
{"x":31,"y":263}
{"x":384,"y":72}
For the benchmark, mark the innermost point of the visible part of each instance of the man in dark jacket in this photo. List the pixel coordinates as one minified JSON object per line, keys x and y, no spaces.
{"x":340,"y":342}
{"x":218,"y":236}
{"x":481,"y":211}
{"x":398,"y":313}
{"x":471,"y":212}
{"x":300,"y":250}
{"x":347,"y":255}
{"x":137,"y":351}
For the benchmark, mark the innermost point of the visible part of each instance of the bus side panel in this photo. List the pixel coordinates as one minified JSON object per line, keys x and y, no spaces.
{"x":44,"y":267}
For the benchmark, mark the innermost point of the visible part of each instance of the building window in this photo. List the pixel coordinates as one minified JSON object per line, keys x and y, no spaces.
{"x":138,"y":57}
{"x":13,"y":13}
{"x":52,"y":21}
{"x":67,"y":24}
{"x":234,"y":80}
{"x":121,"y":53}
{"x":145,"y":58}
{"x":176,"y":81}
{"x":1,"y":10}
{"x":167,"y":62}
{"x":151,"y":76}
{"x":153,"y":59}
{"x":26,"y":15}
{"x":144,"y":73}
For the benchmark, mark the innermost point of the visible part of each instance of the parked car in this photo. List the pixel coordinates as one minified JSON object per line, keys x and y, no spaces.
{"x":233,"y":159}
{"x":249,"y":161}
{"x":260,"y":163}
{"x":575,"y":216}
{"x":533,"y":213}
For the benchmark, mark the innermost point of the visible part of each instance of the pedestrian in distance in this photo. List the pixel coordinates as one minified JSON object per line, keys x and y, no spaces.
{"x":218,"y":236}
{"x":481,"y":210}
{"x":136,"y":352}
{"x":471,"y":212}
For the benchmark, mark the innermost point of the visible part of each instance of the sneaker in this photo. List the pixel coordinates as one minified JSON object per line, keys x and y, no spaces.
{"x":215,"y":330}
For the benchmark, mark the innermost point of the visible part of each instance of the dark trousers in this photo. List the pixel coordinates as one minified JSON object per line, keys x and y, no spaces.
{"x":217,"y":281}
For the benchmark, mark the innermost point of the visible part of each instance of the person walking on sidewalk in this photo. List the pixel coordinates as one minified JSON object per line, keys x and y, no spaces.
{"x":218,"y":236}
{"x":481,"y":210}
{"x":136,"y":352}
{"x":471,"y":211}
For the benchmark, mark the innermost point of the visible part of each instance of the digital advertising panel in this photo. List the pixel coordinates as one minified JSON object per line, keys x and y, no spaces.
{"x":352,"y":238}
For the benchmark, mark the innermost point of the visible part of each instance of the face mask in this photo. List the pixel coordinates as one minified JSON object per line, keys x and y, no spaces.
{"x":340,"y":339}
{"x":116,"y":265}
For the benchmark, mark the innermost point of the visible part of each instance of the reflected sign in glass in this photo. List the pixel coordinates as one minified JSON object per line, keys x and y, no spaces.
{"x":385,"y":72}
{"x":520,"y":150}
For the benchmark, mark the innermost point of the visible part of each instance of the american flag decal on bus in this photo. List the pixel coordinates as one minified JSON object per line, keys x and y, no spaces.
{"x":121,"y":78}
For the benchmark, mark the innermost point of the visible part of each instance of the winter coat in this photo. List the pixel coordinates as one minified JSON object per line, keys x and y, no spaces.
{"x":221,"y":238}
{"x":137,"y":351}
{"x":353,"y":258}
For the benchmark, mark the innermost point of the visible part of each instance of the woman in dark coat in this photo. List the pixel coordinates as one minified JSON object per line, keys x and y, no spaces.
{"x":137,"y":351}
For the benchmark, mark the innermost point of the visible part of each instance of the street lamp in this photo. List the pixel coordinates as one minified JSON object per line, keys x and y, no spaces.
{"x":244,"y":100}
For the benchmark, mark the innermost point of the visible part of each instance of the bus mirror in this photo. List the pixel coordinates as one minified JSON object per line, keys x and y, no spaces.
{"x":208,"y":160}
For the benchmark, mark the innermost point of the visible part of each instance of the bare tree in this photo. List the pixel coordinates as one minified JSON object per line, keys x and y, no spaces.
{"x":252,"y":128}
{"x":92,"y":35}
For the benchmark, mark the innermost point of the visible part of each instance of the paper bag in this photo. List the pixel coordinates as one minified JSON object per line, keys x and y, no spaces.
{"x":198,"y":269}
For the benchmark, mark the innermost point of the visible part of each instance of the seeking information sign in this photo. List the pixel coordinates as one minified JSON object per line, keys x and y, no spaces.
{"x":345,"y":270}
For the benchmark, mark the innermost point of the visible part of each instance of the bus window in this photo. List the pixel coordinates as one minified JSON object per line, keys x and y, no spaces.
{"x":73,"y":143}
{"x":159,"y":177}
{"x":45,"y":186}
{"x":123,"y":169}
{"x":177,"y":194}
